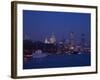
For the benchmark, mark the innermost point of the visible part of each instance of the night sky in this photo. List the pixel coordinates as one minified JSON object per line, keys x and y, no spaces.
{"x":37,"y":25}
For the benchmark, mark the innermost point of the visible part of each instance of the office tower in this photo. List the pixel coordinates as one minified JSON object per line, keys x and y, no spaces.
{"x":71,"y":39}
{"x":83,"y":40}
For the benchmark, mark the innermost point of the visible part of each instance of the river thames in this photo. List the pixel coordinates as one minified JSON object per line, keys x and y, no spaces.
{"x":58,"y":60}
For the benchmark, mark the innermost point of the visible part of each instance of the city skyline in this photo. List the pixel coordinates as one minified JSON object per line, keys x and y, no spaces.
{"x":53,"y":39}
{"x":38,"y":25}
{"x":56,"y":39}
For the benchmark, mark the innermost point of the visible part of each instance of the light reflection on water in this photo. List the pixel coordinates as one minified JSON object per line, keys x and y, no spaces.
{"x":57,"y":60}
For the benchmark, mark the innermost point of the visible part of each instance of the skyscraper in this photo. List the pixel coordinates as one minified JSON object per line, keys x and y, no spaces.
{"x":83,"y":40}
{"x":71,"y":39}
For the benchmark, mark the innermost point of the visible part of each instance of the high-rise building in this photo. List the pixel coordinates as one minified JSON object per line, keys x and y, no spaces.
{"x":71,"y":39}
{"x":82,"y":40}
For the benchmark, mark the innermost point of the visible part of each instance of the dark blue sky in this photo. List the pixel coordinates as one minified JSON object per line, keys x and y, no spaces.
{"x":40,"y":24}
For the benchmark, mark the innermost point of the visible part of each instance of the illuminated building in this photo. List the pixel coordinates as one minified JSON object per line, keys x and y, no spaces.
{"x":46,"y":41}
{"x":82,"y":42}
{"x":71,"y":41}
{"x":52,"y":39}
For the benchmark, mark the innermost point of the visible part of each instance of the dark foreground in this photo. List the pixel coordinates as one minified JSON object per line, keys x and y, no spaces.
{"x":54,"y":61}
